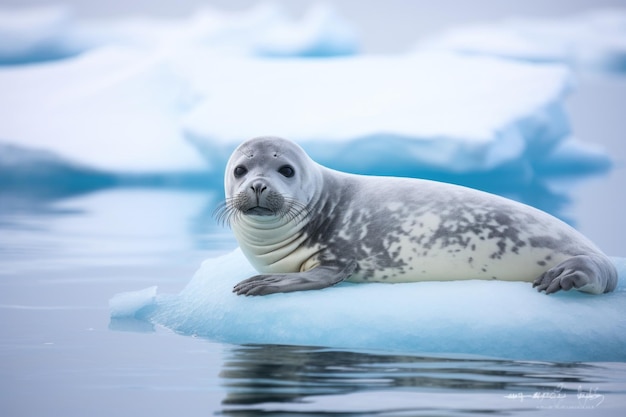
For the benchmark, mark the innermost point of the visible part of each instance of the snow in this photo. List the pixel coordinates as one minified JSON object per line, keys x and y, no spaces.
{"x":593,"y":40}
{"x":492,"y":318}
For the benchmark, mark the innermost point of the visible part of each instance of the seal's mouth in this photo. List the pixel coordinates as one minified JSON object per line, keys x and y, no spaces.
{"x":259,"y":211}
{"x":233,"y":209}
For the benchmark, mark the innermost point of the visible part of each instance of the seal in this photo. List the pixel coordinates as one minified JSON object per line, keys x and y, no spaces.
{"x":304,"y":226}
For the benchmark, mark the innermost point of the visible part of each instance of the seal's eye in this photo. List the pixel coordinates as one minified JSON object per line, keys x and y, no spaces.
{"x":287,"y":171}
{"x":240,"y":171}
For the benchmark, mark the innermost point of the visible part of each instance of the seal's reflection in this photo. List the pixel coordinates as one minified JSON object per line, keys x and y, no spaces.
{"x":256,"y":374}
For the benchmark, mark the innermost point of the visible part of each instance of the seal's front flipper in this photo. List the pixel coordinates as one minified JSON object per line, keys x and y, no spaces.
{"x":593,"y":274}
{"x":314,"y":279}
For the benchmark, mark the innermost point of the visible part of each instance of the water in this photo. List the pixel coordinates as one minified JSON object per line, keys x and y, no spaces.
{"x":62,"y":260}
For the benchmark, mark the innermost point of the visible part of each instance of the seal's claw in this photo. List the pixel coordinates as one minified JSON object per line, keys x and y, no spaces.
{"x":314,"y":279}
{"x":554,"y":280}
{"x":581,"y":272}
{"x":257,"y":285}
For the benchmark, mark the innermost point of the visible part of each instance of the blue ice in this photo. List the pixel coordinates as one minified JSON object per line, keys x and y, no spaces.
{"x":492,"y":318}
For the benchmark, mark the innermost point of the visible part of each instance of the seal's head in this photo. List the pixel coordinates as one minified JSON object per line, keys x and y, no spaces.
{"x":268,"y":178}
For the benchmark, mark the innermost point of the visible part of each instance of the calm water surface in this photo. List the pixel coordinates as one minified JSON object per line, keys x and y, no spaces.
{"x":61,"y":261}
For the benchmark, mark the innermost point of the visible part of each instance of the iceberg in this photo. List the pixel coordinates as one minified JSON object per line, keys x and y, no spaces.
{"x":35,"y":34}
{"x":262,"y":30}
{"x":31,"y":35}
{"x":440,"y":111}
{"x":165,"y":101}
{"x":483,"y":122}
{"x":113,"y":109}
{"x":477,"y":121}
{"x":593,"y":40}
{"x":490,"y":318}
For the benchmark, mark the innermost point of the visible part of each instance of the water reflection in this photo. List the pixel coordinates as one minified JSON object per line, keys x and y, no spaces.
{"x":257,"y":376}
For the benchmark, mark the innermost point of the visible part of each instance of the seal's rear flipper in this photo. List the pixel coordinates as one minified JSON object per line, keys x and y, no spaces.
{"x":314,"y":279}
{"x":587,"y":273}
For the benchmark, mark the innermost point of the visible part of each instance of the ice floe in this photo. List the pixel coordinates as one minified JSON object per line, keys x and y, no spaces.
{"x":142,"y":97}
{"x":493,"y":318}
{"x":33,"y":35}
{"x":113,"y":109}
{"x":382,"y":114}
{"x":592,"y":40}
{"x":129,"y":110}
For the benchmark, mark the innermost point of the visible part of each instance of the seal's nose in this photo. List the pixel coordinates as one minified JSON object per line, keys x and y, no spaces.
{"x":258,"y":187}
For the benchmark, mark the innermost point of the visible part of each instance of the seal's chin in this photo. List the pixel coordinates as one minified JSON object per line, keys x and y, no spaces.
{"x":259,"y":211}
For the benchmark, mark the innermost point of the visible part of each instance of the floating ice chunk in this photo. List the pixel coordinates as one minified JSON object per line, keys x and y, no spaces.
{"x":120,"y":109}
{"x":493,"y":318}
{"x":127,"y":305}
{"x":572,"y":157}
{"x":31,"y":35}
{"x":114,"y":109}
{"x":591,"y":40}
{"x":36,"y":34}
{"x":261,"y":30}
{"x":172,"y":111}
{"x":322,"y":32}
{"x":117,"y":107}
{"x":444,"y":111}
